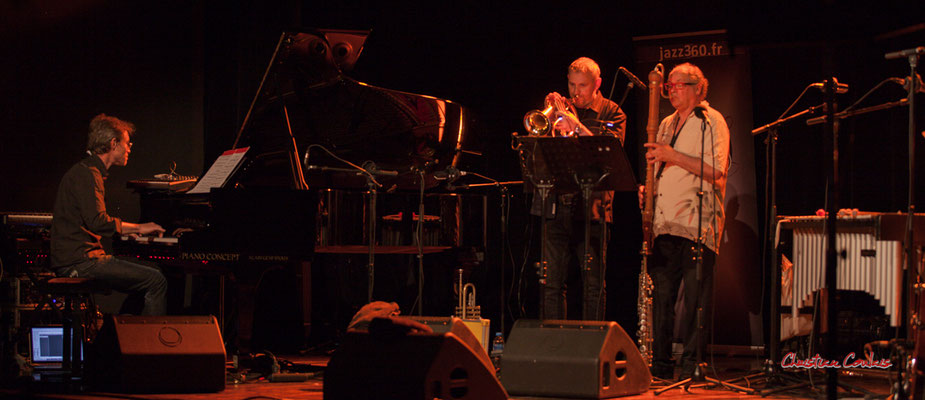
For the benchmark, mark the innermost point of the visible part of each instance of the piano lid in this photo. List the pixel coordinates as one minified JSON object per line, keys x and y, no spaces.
{"x":305,"y":90}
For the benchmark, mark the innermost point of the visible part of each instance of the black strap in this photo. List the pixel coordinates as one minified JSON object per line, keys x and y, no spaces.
{"x":673,"y":140}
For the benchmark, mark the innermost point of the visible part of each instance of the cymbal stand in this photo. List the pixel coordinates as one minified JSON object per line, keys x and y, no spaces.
{"x":699,"y":375}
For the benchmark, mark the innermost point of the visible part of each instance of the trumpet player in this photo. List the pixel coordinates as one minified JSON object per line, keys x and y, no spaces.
{"x":584,"y":112}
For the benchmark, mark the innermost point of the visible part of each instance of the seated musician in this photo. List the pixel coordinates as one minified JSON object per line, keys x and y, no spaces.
{"x":585,"y":112}
{"x":80,"y":220}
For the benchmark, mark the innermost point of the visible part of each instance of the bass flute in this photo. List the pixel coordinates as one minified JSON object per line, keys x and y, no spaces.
{"x":644,"y":303}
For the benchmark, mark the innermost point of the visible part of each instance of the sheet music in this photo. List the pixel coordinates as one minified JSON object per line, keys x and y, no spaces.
{"x":220,"y":171}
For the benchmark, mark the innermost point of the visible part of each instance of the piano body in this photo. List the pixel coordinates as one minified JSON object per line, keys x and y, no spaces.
{"x":272,"y":211}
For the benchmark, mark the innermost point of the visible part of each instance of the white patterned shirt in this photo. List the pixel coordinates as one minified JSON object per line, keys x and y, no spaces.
{"x":676,"y":199}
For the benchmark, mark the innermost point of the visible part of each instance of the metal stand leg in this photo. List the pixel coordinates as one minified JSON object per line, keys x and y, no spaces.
{"x":543,"y":188}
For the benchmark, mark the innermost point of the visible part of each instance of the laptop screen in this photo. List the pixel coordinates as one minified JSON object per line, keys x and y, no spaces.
{"x":48,"y":344}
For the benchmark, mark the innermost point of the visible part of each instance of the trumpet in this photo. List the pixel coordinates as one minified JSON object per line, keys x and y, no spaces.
{"x":466,"y":308}
{"x":540,"y":122}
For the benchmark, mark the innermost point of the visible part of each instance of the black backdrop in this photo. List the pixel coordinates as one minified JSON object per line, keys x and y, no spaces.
{"x":185,"y":72}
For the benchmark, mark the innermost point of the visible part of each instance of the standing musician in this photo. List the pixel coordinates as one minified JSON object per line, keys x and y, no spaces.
{"x":677,"y":157}
{"x":80,"y":220}
{"x":590,"y":114}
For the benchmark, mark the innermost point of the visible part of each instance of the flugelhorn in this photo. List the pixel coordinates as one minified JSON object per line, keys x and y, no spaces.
{"x":540,"y":122}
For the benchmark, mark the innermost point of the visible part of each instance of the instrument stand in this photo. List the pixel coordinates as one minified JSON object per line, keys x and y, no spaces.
{"x":698,"y":375}
{"x":587,"y":185}
{"x":564,"y":165}
{"x":544,"y":188}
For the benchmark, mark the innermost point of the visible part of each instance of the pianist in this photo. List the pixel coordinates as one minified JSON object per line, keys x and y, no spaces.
{"x":591,"y":114}
{"x":80,"y":220}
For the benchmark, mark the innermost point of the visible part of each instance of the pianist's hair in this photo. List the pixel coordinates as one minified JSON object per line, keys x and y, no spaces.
{"x":693,"y":75}
{"x":104,"y":128}
{"x":587,"y":66}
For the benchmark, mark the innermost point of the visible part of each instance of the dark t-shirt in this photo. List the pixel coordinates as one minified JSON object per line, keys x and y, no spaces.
{"x":80,"y":217}
{"x":603,"y":117}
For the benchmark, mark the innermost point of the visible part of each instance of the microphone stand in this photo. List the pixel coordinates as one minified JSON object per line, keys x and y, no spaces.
{"x":372,"y":186}
{"x":911,"y":273}
{"x":771,"y":369}
{"x":626,"y":92}
{"x":910,"y":213}
{"x":505,"y":206}
{"x":420,"y":248}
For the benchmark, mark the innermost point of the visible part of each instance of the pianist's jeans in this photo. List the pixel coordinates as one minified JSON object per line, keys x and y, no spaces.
{"x":672,"y":261}
{"x":127,"y":276}
{"x":565,"y":237}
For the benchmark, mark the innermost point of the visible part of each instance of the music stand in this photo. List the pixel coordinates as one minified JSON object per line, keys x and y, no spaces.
{"x":576,"y":164}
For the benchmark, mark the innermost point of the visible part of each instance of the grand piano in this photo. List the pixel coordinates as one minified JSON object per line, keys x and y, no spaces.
{"x":297,"y":193}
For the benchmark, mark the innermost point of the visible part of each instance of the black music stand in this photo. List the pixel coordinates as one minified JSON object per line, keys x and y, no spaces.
{"x":573,"y":164}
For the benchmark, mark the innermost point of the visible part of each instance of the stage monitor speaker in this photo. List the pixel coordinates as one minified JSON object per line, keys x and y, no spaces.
{"x":584,"y":359}
{"x":167,"y":354}
{"x":462,"y":330}
{"x":420,"y":366}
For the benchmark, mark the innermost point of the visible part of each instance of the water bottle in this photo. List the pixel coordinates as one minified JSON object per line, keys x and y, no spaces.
{"x":497,"y":348}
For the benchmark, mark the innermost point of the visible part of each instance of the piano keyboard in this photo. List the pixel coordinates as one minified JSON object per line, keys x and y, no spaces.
{"x":166,"y":240}
{"x":27,"y":219}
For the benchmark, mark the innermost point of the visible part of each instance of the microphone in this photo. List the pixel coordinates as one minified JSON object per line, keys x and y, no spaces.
{"x":905,"y":53}
{"x":371,"y":167}
{"x":636,"y":81}
{"x":449,"y":174}
{"x":840,"y":88}
{"x":699,"y":112}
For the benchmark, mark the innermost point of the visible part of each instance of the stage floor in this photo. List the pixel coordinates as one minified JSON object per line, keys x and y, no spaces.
{"x":875,"y":381}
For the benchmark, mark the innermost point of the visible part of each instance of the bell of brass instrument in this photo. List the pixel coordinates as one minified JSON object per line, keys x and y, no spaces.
{"x":644,"y":304}
{"x":540,"y":122}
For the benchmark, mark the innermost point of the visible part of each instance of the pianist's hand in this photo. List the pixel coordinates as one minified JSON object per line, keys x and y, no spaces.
{"x":147,"y":228}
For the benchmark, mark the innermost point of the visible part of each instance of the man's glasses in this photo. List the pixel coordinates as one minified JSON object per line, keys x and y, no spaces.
{"x":680,"y":85}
